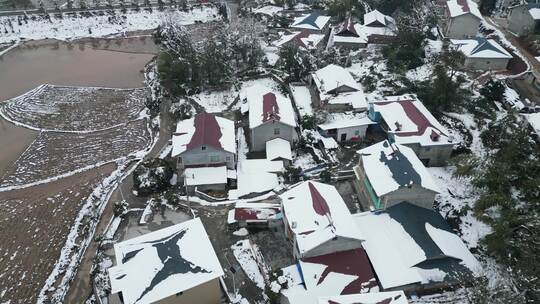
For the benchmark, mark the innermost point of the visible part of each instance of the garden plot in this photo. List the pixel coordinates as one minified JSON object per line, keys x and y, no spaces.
{"x":36,"y":223}
{"x":55,"y":154}
{"x":74,"y":109}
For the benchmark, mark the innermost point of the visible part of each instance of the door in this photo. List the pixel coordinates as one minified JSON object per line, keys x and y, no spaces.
{"x":343,"y":137}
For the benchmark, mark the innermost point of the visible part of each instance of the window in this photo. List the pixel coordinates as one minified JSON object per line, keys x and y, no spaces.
{"x":214,"y":158}
{"x":179,"y":160}
{"x":276,"y":131}
{"x":357,"y":132}
{"x":203,"y":148}
{"x":180,"y":293}
{"x":228,"y":158}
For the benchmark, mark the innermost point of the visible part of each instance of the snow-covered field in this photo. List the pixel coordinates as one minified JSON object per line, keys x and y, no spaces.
{"x":98,"y":25}
{"x":74,"y":109}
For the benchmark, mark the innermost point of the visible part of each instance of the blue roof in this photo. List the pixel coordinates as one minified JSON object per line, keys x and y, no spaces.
{"x":311,"y":19}
{"x":485,"y":45}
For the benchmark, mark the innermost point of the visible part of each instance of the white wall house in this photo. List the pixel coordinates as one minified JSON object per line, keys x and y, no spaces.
{"x":483,"y":54}
{"x":271,"y":115}
{"x":348,"y":34}
{"x":462,"y":19}
{"x":390,"y":173}
{"x":379,"y":28}
{"x":348,"y":129}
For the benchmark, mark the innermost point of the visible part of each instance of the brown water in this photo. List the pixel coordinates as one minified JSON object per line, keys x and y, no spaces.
{"x":79,"y":63}
{"x":33,"y":64}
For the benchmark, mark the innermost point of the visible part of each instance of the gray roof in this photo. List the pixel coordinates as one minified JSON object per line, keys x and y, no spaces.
{"x":485,"y":45}
{"x":311,"y":19}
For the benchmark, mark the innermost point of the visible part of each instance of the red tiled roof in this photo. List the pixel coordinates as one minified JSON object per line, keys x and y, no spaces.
{"x":352,"y":262}
{"x":251,"y":213}
{"x":464,"y":5}
{"x":319,"y":203}
{"x":346,"y":28}
{"x":415,"y":115}
{"x":270,"y":108}
{"x":207,"y":132}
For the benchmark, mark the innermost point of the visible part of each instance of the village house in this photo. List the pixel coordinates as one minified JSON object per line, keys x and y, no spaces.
{"x":524,"y":19}
{"x":271,"y":116}
{"x":385,"y":297}
{"x":406,"y":121}
{"x":302,"y":39}
{"x":378,"y":28}
{"x":346,"y":129}
{"x":317,"y":221}
{"x":337,"y":90}
{"x":313,"y":23}
{"x":415,"y":250}
{"x":388,"y":174}
{"x":335,"y":274}
{"x":176,"y":264}
{"x":462,"y":19}
{"x":347,"y":35}
{"x":482,"y":54}
{"x":205,"y":148}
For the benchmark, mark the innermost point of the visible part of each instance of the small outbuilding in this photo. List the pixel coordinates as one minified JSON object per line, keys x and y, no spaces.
{"x":389,"y":173}
{"x":279,"y":149}
{"x":348,"y":129}
{"x":378,"y":28}
{"x":348,"y":35}
{"x":483,"y":54}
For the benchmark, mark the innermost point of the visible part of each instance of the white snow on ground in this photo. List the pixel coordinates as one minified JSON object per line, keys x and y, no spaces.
{"x":272,"y":54}
{"x":246,"y":257}
{"x":302,"y":98}
{"x":70,"y":27}
{"x":241,"y":232}
{"x":304,"y":161}
{"x":215,"y":101}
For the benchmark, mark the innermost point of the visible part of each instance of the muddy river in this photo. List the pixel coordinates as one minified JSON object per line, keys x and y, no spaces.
{"x":114,"y":63}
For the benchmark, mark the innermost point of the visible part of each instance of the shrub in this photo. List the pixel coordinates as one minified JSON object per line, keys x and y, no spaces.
{"x":152,"y":176}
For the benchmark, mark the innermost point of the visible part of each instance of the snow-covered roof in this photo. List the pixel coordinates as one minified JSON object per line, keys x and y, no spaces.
{"x":356,"y":99}
{"x":332,"y":77}
{"x":256,"y":176}
{"x":348,"y":32}
{"x":329,"y":143}
{"x":316,"y":213}
{"x":165,"y":262}
{"x":458,"y":8}
{"x":376,"y":18}
{"x":481,"y":48}
{"x":392,"y":166}
{"x":269,"y":10}
{"x":409,"y":121}
{"x":313,"y":21}
{"x":205,"y":176}
{"x":407,"y":244}
{"x":340,"y":273}
{"x":302,"y":39}
{"x":267,"y":106}
{"x":278,"y":148}
{"x":535,"y":12}
{"x":386,"y":297}
{"x":253,"y":212}
{"x":347,"y":123}
{"x":204,"y":129}
{"x":534,"y":121}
